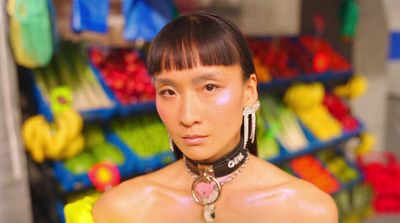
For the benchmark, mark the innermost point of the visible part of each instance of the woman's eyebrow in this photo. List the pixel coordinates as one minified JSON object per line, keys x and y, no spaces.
{"x":206,"y":76}
{"x":201,"y":78}
{"x":164,"y":81}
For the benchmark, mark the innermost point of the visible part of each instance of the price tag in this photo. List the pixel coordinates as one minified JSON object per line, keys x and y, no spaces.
{"x":104,"y":176}
{"x":60,"y":99}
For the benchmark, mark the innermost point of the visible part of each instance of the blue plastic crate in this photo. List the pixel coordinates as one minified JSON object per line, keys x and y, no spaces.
{"x":70,"y":182}
{"x":42,"y":105}
{"x":325,"y":169}
{"x":88,"y":115}
{"x":286,"y":154}
{"x":121,"y":109}
{"x":311,"y":55}
{"x":136,"y":108}
{"x":142,"y":164}
{"x":352,"y":165}
{"x":60,"y":211}
{"x":103,"y":84}
{"x":324,"y":78}
{"x":315,"y":144}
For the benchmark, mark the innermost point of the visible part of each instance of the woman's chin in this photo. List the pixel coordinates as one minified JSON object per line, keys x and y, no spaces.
{"x":197,"y":154}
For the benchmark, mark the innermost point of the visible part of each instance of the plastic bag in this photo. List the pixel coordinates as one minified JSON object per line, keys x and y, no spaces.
{"x":53,"y":21}
{"x":145,"y":18}
{"x":90,"y":15}
{"x":30,"y":32}
{"x":349,"y":13}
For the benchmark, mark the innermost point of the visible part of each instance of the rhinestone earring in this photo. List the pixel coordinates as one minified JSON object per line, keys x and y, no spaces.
{"x":247,"y":112}
{"x":171,"y":144}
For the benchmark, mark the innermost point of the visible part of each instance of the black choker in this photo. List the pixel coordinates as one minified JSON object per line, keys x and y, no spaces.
{"x":206,"y":188}
{"x":223,"y":166}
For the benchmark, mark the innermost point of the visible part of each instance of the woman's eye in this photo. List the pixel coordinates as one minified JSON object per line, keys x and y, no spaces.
{"x":167,"y":93}
{"x":210,"y":87}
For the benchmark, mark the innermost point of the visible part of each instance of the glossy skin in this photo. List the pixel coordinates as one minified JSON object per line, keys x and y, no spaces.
{"x":202,"y":112}
{"x":202,"y":108}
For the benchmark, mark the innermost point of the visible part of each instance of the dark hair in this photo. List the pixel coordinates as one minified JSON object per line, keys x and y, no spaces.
{"x":200,"y":38}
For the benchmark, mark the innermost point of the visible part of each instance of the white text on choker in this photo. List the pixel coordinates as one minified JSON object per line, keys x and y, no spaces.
{"x":235,"y":161}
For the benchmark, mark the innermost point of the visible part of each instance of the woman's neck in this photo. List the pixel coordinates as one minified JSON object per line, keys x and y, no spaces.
{"x":227,"y":149}
{"x":223,"y":166}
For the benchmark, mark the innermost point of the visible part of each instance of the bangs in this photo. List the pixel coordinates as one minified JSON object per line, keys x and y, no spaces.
{"x":192,"y":41}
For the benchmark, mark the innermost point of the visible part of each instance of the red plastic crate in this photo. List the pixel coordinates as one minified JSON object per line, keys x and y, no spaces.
{"x":382,"y":172}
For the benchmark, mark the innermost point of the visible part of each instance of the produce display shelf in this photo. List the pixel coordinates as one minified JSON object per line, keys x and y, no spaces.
{"x":315,"y":145}
{"x":42,"y":106}
{"x":137,"y":108}
{"x":353,"y":183}
{"x":70,"y":182}
{"x":325,"y":170}
{"x":122,"y":109}
{"x":88,"y":115}
{"x":305,"y":78}
{"x":119,"y":109}
{"x":352,"y":165}
{"x":142,"y":165}
{"x":298,"y":58}
{"x":343,"y":186}
{"x":59,"y":206}
{"x":134,"y":165}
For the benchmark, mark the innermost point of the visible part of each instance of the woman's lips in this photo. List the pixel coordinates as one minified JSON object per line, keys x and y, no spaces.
{"x":194,"y":140}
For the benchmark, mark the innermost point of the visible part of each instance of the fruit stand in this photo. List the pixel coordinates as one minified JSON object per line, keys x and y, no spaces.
{"x":304,"y":121}
{"x":115,"y":98}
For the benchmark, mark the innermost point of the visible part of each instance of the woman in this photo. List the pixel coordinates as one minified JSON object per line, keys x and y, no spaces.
{"x":206,"y":97}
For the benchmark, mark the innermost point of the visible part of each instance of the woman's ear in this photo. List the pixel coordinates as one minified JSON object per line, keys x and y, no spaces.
{"x":251,"y":94}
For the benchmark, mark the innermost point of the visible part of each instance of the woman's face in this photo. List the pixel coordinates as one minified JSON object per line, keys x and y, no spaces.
{"x":202,"y":108}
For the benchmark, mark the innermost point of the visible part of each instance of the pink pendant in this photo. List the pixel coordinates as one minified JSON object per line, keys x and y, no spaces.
{"x":206,"y":190}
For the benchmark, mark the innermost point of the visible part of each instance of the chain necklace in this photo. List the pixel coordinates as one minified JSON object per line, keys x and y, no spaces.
{"x":206,"y":188}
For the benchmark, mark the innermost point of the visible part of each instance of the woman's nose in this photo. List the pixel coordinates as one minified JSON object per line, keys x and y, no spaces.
{"x":190,"y":111}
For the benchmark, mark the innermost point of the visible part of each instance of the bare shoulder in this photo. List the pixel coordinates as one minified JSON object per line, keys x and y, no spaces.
{"x":300,"y":200}
{"x":130,"y":201}
{"x":118,"y":204}
{"x":310,"y":204}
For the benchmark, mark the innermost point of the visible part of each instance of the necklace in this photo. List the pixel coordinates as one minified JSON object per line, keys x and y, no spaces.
{"x":206,"y":188}
{"x":224,"y":165}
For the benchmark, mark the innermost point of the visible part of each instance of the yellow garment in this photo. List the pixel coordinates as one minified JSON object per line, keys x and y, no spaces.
{"x":80,"y":211}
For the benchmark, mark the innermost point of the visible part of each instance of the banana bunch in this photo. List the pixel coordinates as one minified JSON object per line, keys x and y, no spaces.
{"x":61,"y":139}
{"x":354,"y":88}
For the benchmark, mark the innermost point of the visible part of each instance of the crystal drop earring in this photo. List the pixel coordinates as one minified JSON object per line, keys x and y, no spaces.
{"x":171,"y":144}
{"x":247,"y":112}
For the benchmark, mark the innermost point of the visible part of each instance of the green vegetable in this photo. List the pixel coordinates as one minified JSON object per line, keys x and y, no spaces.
{"x":80,"y":164}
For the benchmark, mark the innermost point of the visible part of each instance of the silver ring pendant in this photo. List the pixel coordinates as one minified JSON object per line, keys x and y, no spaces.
{"x":206,"y":190}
